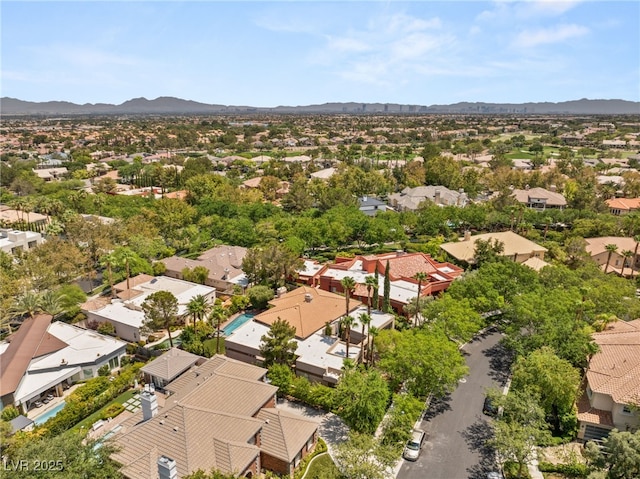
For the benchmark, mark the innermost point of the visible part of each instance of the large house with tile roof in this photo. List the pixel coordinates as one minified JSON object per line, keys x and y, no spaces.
{"x":125,"y":311}
{"x":612,"y":383}
{"x":517,"y":248}
{"x":224,"y":265}
{"x":623,"y":206}
{"x":539,"y":198}
{"x":410,"y":199}
{"x":402,"y":270}
{"x":320,"y":353}
{"x":45,"y":357}
{"x":617,"y":263}
{"x":202,"y":424}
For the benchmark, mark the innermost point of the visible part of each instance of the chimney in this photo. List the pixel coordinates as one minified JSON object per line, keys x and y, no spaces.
{"x":167,"y":468}
{"x":149,"y":405}
{"x":467,"y":235}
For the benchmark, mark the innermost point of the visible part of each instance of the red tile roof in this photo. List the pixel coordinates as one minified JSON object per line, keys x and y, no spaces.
{"x":615,"y":369}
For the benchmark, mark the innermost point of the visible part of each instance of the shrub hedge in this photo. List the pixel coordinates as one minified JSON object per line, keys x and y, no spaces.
{"x":88,"y":398}
{"x":570,"y":470}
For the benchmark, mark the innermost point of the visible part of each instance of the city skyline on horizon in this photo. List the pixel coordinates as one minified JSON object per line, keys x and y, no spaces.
{"x":267,"y":54}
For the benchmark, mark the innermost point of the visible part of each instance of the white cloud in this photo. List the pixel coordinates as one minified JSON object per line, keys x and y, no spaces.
{"x":401,"y":22}
{"x":547,"y":7}
{"x":555,"y":34}
{"x":347,"y":44}
{"x":385,"y":49}
{"x":508,"y":10}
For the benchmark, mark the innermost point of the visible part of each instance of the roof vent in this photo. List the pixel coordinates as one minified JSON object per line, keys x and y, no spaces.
{"x":308,"y":297}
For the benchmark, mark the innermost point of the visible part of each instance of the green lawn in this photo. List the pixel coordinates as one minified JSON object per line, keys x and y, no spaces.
{"x":323,"y":467}
{"x":87,"y":422}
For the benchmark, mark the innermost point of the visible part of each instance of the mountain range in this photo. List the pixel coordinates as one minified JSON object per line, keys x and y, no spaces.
{"x":178,"y":106}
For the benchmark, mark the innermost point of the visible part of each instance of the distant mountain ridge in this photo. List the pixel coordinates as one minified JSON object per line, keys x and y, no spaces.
{"x":178,"y":106}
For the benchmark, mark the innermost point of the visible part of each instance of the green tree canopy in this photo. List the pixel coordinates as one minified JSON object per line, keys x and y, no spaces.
{"x":161,"y":311}
{"x":278,"y":346}
{"x":361,"y":399}
{"x":427,"y":362}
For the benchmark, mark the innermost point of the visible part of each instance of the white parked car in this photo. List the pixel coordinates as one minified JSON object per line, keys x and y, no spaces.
{"x":412,"y":449}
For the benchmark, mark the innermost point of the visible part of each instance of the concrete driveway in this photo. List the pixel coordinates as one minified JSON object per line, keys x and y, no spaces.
{"x":457,"y":430}
{"x":331,"y":428}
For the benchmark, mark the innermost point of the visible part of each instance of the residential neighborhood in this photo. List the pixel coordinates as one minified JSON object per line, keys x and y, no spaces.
{"x":227,"y":296}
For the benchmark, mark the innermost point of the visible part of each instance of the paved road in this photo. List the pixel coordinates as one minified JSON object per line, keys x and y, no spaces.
{"x":456,"y":428}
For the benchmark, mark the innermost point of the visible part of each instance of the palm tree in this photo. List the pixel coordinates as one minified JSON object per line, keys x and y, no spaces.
{"x":547,"y":223}
{"x":346,"y":322}
{"x":197,"y":307}
{"x":373,"y":334}
{"x":126,"y":256}
{"x":348,"y":284}
{"x":611,"y":248}
{"x":217,"y":316}
{"x":372,"y":283}
{"x":626,"y":254}
{"x":603,"y":320}
{"x":420,"y":277}
{"x":110,"y":261}
{"x":51,"y":303}
{"x":636,"y":238}
{"x":365,"y":320}
{"x":27,"y":304}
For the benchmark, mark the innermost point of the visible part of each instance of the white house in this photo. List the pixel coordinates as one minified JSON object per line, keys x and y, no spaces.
{"x":125,"y":312}
{"x":319,"y":356}
{"x":12,"y":240}
{"x":44,"y":358}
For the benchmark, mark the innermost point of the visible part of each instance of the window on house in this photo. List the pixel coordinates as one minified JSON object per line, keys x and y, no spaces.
{"x":296,"y":461}
{"x":310,"y":443}
{"x":88,"y":373}
{"x":626,"y":409}
{"x":589,"y":392}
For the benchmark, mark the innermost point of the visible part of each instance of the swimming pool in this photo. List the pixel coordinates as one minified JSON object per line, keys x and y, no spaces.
{"x":49,"y":414}
{"x":236,"y":323}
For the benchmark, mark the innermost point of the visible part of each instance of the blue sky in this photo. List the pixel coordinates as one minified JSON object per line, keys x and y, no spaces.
{"x":268,"y":53}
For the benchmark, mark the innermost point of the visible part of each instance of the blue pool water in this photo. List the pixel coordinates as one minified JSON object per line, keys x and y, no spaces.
{"x":49,"y":414}
{"x":236,"y":323}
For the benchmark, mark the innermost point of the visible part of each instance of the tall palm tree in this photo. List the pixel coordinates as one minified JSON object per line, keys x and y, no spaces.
{"x":126,"y":256}
{"x":51,"y":303}
{"x":365,"y":320}
{"x":217,"y":316}
{"x":626,"y":254}
{"x":372,"y":283}
{"x":348,"y":284}
{"x":347,"y":322}
{"x":611,"y":248}
{"x":110,"y":261}
{"x":373,"y":334}
{"x":420,"y":277}
{"x":28,"y":304}
{"x":636,"y":238}
{"x":197,"y":307}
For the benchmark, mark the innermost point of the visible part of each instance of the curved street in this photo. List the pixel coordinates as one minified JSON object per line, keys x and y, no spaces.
{"x":457,"y":430}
